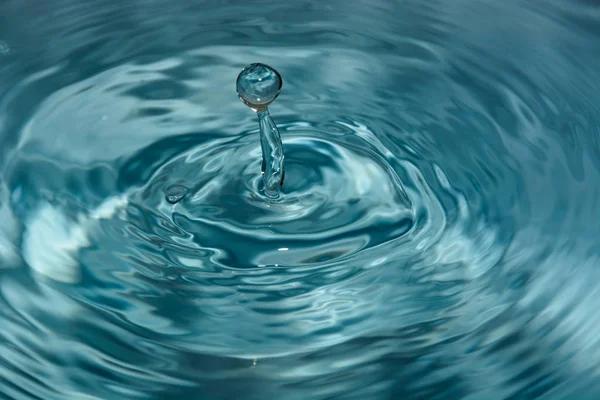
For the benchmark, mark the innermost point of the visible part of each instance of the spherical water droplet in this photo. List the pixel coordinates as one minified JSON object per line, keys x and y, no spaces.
{"x":175,"y":194}
{"x":258,"y":85}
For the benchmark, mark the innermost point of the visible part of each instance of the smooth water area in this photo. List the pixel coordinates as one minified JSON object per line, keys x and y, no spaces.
{"x":435,"y":237}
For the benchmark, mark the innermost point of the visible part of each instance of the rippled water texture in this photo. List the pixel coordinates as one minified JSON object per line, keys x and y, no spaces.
{"x":436,"y":236}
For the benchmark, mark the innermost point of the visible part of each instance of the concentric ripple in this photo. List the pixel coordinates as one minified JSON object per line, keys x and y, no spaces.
{"x":338,"y":200}
{"x":435,"y":234}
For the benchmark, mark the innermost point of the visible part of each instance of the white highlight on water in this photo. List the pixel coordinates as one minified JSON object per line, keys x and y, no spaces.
{"x":52,"y":241}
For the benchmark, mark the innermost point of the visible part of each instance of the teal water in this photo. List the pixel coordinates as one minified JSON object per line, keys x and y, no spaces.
{"x":435,"y":236}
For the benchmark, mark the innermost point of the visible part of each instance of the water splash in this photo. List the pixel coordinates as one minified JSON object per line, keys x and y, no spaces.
{"x":258,"y":85}
{"x":429,"y":252}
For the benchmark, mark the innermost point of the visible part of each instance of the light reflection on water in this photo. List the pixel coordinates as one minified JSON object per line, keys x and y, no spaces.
{"x":435,"y":236}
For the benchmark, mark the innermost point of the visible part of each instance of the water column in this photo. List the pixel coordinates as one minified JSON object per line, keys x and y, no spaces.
{"x":257,"y":86}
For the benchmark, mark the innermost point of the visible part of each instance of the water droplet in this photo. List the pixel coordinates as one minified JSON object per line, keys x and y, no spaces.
{"x":258,"y":85}
{"x":175,"y":194}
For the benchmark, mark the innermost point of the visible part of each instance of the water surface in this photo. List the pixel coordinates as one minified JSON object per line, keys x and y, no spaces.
{"x":436,"y":233}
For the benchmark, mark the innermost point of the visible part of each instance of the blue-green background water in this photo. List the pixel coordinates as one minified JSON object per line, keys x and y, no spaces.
{"x":437,"y":233}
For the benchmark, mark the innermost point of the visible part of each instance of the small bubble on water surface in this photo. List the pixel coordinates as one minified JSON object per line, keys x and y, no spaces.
{"x":175,"y":194}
